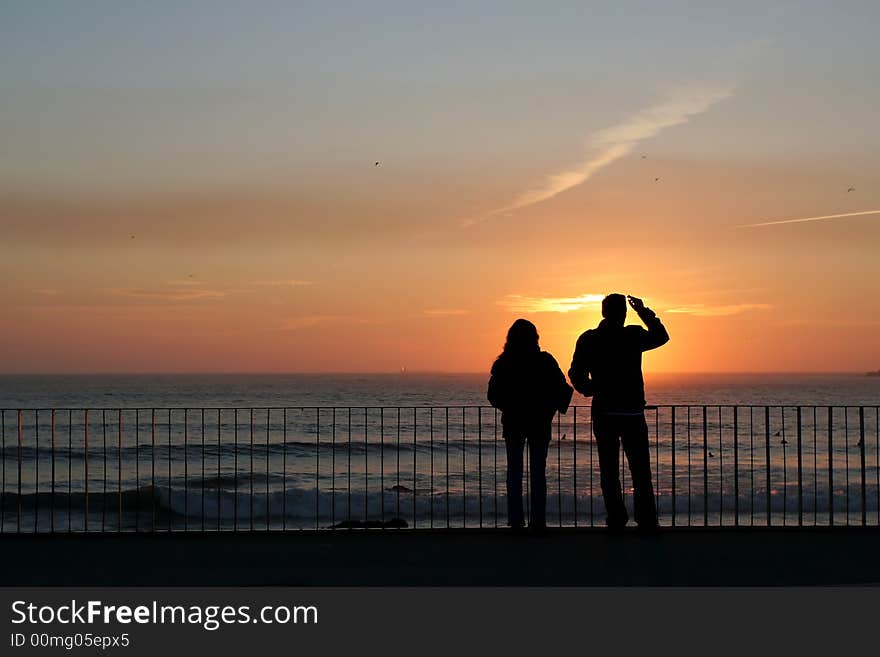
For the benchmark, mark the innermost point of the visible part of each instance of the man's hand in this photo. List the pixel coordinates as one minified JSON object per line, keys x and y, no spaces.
{"x":637,"y":304}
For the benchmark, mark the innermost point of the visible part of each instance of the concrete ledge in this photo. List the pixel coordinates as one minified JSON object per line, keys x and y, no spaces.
{"x":569,"y":557}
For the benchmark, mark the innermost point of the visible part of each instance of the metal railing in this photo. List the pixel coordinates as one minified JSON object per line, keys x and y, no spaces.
{"x":268,"y":469}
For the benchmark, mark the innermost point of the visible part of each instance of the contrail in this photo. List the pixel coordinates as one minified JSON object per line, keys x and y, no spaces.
{"x":807,"y":219}
{"x":617,"y":141}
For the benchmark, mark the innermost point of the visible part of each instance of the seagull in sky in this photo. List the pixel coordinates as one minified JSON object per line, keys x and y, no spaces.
{"x":851,"y":189}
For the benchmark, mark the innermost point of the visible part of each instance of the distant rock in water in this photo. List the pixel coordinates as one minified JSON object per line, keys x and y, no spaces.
{"x":399,"y":489}
{"x":394,"y":523}
{"x":874,"y":373}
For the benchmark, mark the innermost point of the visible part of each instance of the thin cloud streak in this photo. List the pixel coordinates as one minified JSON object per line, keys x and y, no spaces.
{"x":615,"y":142}
{"x":444,"y":312}
{"x":702,"y":310}
{"x":809,"y":219}
{"x":520,"y":303}
{"x":285,"y":283}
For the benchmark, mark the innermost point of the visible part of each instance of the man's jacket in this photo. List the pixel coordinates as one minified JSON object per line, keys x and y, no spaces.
{"x":607,"y":363}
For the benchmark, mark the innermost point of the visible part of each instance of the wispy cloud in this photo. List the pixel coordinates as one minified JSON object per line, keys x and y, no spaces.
{"x":47,"y":292}
{"x":307,"y":321}
{"x":294,"y":282}
{"x":526,"y":304}
{"x":803,"y":220}
{"x":703,"y":310}
{"x":170,"y":295}
{"x":613,"y":143}
{"x":444,"y":312}
{"x":520,"y":303}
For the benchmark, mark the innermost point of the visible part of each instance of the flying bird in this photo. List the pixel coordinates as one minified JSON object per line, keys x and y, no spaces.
{"x":851,"y":189}
{"x":644,"y":157}
{"x":132,"y":237}
{"x":656,"y":179}
{"x":375,"y":164}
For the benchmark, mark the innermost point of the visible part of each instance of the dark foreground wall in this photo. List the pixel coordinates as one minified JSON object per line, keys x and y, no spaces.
{"x":838,"y":556}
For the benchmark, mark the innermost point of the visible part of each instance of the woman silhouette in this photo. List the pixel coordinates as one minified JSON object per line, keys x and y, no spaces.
{"x":528,"y":388}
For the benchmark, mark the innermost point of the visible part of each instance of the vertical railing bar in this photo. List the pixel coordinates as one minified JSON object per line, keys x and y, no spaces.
{"x":690,"y":492}
{"x":877,"y":455}
{"x":185,"y":469}
{"x":36,"y":468}
{"x":752,"y":466}
{"x":574,"y":445}
{"x":382,"y":465}
{"x":830,"y":466}
{"x":349,"y":463}
{"x":415,"y":467}
{"x":397,"y":475}
{"x":3,"y":491}
{"x":317,"y":467}
{"x":52,"y":494}
{"x":366,"y":470}
{"x":558,"y":469}
{"x":86,"y":465}
{"x":137,"y":470}
{"x":170,"y":502}
{"x":705,"y":467}
{"x":815,"y":467}
{"x":495,"y":463}
{"x":736,"y":466}
{"x":480,"y":463}
{"x":235,"y":472}
{"x":720,"y":470}
{"x":152,"y":469}
{"x":463,"y":472}
{"x":333,"y":470}
{"x":268,"y":474}
{"x":69,"y":467}
{"x":767,"y":459}
{"x":284,"y":468}
{"x":447,"y":467}
{"x":784,"y":469}
{"x":657,"y":461}
{"x":251,"y":473}
{"x":672,"y":438}
{"x":846,"y":457}
{"x":104,"y":470}
{"x":800,"y":469}
{"x":202,"y":485}
{"x":119,"y":470}
{"x":862,"y":457}
{"x":219,"y":470}
{"x":591,"y":445}
{"x":431,"y":437}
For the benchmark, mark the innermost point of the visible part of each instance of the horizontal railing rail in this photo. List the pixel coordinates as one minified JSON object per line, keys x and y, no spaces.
{"x":344,"y":467}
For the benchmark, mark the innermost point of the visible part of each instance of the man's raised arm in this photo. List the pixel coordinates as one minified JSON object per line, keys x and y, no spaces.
{"x":656,"y":335}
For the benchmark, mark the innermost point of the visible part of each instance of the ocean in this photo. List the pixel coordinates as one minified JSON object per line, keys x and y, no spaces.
{"x":305,"y":451}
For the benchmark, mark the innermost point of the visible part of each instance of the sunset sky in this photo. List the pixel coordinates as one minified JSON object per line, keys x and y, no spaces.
{"x":192,"y":187}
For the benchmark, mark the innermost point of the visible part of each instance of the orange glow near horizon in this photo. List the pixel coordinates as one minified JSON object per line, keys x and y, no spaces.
{"x":361,"y":190}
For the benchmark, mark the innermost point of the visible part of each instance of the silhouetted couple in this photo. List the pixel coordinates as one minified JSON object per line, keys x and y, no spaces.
{"x":528,"y":387}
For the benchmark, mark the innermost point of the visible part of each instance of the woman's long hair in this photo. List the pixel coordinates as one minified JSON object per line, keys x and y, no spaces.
{"x":522,"y":340}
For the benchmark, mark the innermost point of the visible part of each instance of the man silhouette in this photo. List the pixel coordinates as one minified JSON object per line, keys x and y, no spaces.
{"x":607,"y":365}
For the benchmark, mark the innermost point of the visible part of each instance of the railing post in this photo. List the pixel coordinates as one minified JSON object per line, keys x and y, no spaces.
{"x":830,"y":466}
{"x":767,"y":460}
{"x":674,"y":505}
{"x":705,"y":468}
{"x":800,"y":469}
{"x":862,"y":455}
{"x":736,"y":466}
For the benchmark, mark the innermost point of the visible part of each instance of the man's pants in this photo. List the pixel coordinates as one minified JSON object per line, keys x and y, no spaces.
{"x":632,"y":431}
{"x":537,"y":478}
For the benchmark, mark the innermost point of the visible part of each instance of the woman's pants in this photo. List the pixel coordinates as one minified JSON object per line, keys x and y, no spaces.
{"x":537,"y":480}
